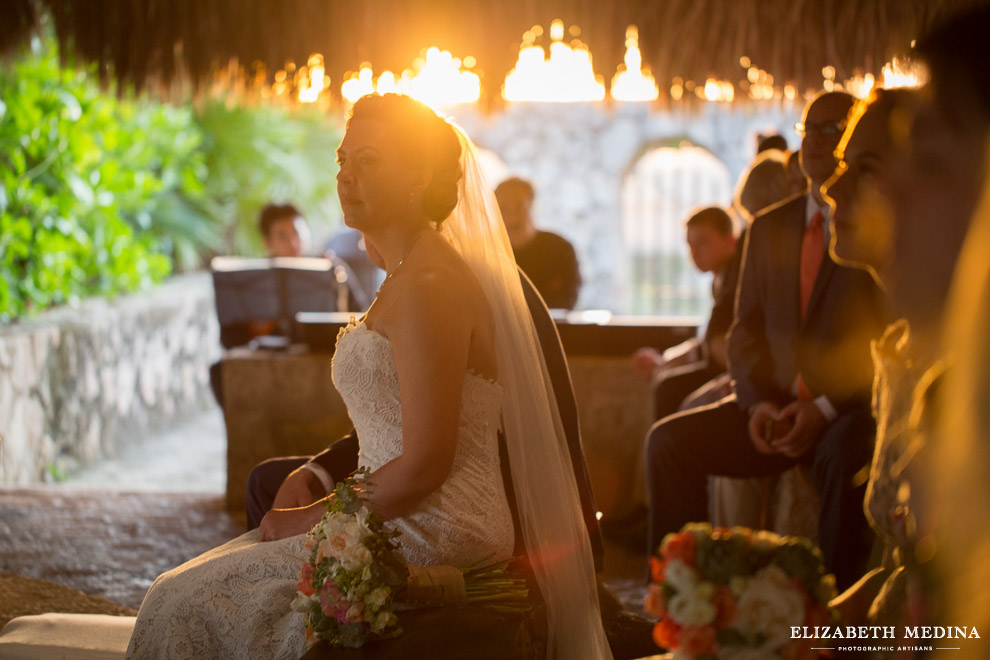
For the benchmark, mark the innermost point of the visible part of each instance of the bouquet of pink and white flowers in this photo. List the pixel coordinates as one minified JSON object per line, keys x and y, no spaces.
{"x":735,"y":594}
{"x":354,"y":577}
{"x":347,"y":584}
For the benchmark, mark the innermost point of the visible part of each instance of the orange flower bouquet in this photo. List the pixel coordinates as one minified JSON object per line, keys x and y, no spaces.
{"x":722,"y":594}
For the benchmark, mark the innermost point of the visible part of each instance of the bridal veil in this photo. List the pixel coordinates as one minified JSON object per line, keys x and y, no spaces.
{"x":543,"y":477}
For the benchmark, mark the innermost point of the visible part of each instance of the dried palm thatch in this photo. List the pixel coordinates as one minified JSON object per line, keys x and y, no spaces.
{"x":154,"y":43}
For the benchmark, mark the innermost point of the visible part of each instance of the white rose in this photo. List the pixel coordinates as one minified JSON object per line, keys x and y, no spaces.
{"x":770,"y":605}
{"x":680,"y":577}
{"x":691,"y":608}
{"x":355,"y":557}
{"x":302,"y":603}
{"x":362,"y":521}
{"x":383,"y":619}
{"x":376,"y":598}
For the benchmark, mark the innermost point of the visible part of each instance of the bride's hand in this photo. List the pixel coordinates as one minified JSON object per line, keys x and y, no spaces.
{"x":281,"y":523}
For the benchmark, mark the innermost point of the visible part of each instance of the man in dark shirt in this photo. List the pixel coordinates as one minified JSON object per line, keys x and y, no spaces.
{"x":548,"y":259}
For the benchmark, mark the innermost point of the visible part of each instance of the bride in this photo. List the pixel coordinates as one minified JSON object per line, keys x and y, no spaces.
{"x":446,"y":353}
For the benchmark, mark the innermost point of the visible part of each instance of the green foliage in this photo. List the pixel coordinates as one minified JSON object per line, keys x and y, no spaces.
{"x":101,"y":194}
{"x":82,"y":175}
{"x":263,"y":153}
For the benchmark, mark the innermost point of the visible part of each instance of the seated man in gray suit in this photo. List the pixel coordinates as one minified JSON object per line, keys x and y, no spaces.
{"x":799,"y":357}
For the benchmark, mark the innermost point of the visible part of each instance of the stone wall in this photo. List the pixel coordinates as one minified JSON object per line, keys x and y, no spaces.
{"x":577,"y":155}
{"x":76,"y":385}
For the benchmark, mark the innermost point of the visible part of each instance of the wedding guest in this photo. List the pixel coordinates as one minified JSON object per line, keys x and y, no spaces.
{"x":887,"y":192}
{"x":548,"y":259}
{"x":863,"y":227}
{"x":286,"y":234}
{"x":673,"y":373}
{"x":284,"y":230}
{"x":774,"y":141}
{"x":762,"y":185}
{"x":799,"y":358}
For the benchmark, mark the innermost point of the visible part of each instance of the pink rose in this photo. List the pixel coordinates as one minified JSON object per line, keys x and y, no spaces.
{"x":332,"y":602}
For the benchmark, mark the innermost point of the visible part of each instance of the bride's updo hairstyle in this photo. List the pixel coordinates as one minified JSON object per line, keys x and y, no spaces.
{"x":423,"y":138}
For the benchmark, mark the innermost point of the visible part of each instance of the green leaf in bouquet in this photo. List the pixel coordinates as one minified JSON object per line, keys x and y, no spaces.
{"x":721,"y":558}
{"x":390,"y":569}
{"x":800,"y":560}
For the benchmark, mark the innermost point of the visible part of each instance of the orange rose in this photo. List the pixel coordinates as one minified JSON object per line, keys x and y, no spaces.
{"x":657,"y":569}
{"x":681,"y":546}
{"x":697,"y":641}
{"x":666,"y":633}
{"x":653,"y":603}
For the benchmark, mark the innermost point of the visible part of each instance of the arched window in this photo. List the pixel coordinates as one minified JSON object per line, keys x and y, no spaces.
{"x":659,"y":192}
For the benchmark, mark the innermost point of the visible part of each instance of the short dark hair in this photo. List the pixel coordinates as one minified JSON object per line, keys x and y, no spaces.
{"x":272,"y":213}
{"x":775,"y":141}
{"x":714,"y":217}
{"x":519,"y":183}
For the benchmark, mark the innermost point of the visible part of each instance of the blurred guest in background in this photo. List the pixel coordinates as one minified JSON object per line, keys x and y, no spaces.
{"x":683,"y":368}
{"x":774,"y":141}
{"x":548,"y":259}
{"x":763,"y":184}
{"x":284,"y":230}
{"x":799,"y":358}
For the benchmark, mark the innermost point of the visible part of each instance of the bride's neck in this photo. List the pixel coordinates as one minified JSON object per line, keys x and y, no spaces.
{"x":395,"y":244}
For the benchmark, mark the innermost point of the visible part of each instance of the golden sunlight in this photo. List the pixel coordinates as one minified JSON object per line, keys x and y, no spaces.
{"x":567,"y":76}
{"x":437,"y":80}
{"x":716,"y":90}
{"x":896,"y":73}
{"x":632,"y":82}
{"x":312,"y":79}
{"x":761,"y":84}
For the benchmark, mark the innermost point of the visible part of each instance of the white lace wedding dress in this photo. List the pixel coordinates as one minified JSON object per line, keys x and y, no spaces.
{"x":233,"y":601}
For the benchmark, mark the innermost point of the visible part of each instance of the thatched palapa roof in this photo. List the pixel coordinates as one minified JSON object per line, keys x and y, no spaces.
{"x":151,"y":43}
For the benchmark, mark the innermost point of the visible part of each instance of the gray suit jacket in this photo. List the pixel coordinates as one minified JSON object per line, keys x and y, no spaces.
{"x":769,"y":343}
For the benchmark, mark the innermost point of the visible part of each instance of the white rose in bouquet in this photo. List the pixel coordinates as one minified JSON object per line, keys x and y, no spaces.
{"x":770,"y":605}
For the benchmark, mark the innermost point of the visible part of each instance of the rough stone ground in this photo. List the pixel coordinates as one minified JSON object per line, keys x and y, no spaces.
{"x":110,"y":530}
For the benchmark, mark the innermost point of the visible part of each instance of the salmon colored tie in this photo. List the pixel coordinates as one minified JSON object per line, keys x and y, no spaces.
{"x":812,"y":253}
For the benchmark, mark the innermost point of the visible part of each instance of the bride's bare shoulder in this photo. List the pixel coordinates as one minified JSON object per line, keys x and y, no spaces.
{"x":438,"y":285}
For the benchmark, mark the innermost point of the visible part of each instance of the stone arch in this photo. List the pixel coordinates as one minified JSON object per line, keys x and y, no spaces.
{"x":667,"y":180}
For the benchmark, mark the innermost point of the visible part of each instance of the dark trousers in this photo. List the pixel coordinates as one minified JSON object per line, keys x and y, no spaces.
{"x":677,"y":384}
{"x":340,"y":459}
{"x":685,"y":449}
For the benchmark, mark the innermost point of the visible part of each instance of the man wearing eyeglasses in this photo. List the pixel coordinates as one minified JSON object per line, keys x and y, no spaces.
{"x":799,"y":356}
